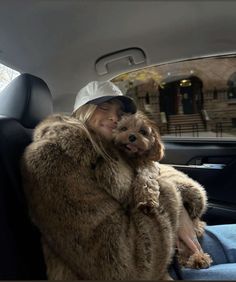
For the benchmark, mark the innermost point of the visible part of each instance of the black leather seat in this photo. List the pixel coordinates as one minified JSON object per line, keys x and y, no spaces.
{"x":24,"y":103}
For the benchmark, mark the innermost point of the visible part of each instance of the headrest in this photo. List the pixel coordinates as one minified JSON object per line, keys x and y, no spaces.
{"x":28,"y":99}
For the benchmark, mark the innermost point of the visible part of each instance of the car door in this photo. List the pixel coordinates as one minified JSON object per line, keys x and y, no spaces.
{"x":213,"y":164}
{"x":199,"y":131}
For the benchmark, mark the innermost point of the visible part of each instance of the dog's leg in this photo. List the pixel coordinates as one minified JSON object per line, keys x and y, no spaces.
{"x":199,"y":260}
{"x":192,"y":193}
{"x":146,"y":191}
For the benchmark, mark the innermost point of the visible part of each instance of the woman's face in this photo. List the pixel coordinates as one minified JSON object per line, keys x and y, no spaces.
{"x":105,"y":118}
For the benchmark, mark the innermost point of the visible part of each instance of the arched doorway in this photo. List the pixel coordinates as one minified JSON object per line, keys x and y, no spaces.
{"x":181,"y":95}
{"x":231,"y":92}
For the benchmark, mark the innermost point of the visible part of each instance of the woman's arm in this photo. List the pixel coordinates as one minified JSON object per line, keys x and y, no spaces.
{"x":192,"y":193}
{"x":68,"y":134}
{"x":186,"y":232}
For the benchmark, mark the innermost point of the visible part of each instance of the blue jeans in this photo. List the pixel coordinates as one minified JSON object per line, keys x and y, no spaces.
{"x":220,"y":242}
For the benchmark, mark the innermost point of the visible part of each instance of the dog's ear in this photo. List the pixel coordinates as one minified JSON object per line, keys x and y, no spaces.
{"x":156,"y":152}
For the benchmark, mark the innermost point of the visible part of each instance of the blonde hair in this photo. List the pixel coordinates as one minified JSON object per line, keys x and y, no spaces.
{"x":84,"y":114}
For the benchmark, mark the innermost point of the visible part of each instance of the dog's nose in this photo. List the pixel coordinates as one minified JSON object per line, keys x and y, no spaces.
{"x":132,"y":138}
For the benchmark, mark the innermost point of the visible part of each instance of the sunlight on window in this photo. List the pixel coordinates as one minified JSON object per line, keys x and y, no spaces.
{"x":6,"y":76}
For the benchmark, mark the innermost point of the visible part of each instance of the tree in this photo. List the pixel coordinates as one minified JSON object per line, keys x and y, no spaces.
{"x":6,"y":76}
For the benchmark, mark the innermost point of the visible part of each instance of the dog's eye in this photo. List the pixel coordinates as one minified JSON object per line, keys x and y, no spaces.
{"x":143,"y":132}
{"x":123,"y":128}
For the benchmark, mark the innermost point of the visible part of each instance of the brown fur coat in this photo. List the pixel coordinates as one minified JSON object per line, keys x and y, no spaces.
{"x":88,"y":229}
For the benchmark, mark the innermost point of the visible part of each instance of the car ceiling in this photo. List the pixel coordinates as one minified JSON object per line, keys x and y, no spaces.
{"x":61,"y":40}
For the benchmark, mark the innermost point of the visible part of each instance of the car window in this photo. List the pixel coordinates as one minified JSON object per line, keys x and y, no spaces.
{"x":6,"y":76}
{"x":191,"y":98}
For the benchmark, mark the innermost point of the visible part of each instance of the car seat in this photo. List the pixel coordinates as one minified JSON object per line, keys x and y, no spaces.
{"x":23,"y":104}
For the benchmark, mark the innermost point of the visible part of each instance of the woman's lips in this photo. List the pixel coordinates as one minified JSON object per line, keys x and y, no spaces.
{"x":110,"y":126}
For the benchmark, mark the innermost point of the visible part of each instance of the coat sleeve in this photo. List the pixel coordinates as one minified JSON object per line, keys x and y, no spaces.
{"x":193,"y":194}
{"x":82,"y":224}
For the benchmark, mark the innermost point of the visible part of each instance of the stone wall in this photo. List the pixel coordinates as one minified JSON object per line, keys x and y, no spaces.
{"x":220,"y":109}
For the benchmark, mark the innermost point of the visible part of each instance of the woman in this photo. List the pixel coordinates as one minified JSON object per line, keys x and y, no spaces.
{"x":89,"y":232}
{"x":100,"y":238}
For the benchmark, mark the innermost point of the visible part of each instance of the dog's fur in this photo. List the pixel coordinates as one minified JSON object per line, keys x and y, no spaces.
{"x":83,"y":205}
{"x":138,"y":137}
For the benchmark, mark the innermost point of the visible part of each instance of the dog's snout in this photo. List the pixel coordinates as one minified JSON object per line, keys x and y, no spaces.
{"x":132,"y":138}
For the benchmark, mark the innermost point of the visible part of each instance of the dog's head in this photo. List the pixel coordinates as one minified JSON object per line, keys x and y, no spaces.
{"x":138,"y":136}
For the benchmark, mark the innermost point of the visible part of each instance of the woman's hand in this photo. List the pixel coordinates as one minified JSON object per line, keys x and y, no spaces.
{"x":186,"y":233}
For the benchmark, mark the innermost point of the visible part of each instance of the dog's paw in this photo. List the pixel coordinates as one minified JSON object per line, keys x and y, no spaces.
{"x":152,"y":184}
{"x":146,"y":195}
{"x":151,"y":192}
{"x":148,"y":207}
{"x":199,"y":260}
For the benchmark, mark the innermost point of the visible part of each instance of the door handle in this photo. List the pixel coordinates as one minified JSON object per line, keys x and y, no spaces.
{"x":202,"y":166}
{"x":133,"y":56}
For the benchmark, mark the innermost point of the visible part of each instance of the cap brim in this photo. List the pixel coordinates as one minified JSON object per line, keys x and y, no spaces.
{"x":127,"y":102}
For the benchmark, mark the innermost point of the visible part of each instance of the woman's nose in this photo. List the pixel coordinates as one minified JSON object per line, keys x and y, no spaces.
{"x":113,"y":117}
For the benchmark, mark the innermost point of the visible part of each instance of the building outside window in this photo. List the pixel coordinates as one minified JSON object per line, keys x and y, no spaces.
{"x":194,"y":98}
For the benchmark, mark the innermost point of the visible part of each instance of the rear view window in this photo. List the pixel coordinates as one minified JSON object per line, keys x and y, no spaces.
{"x":6,"y":76}
{"x":195,"y":98}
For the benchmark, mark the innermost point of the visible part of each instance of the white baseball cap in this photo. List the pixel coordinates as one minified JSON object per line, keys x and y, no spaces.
{"x":98,"y":92}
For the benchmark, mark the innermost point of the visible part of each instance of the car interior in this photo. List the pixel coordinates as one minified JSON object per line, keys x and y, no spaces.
{"x":58,"y":47}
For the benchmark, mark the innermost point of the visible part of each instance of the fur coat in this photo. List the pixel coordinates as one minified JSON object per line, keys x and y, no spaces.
{"x":83,"y":209}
